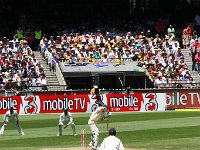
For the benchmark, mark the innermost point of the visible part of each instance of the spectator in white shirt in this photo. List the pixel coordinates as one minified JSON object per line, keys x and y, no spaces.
{"x":42,"y":82}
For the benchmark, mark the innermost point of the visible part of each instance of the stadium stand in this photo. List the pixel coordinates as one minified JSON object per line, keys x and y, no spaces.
{"x":19,"y":67}
{"x":105,"y":41}
{"x":163,"y":58}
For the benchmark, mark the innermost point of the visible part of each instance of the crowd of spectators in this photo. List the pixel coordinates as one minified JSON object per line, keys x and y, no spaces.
{"x":165,"y":64}
{"x":194,"y":47}
{"x":19,"y":68}
{"x":161,"y":56}
{"x":190,"y":40}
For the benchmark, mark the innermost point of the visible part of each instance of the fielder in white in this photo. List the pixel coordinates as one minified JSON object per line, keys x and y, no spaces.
{"x":111,"y":142}
{"x":64,"y":121}
{"x":11,"y":116}
{"x":101,"y":113}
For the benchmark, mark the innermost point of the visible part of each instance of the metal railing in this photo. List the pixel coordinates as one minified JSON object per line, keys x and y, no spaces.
{"x":108,"y":91}
{"x":34,"y":87}
{"x":177,"y":85}
{"x":86,"y":60}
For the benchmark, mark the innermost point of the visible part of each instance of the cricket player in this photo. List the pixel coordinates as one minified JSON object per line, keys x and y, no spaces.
{"x":92,"y":91}
{"x":66,"y":120}
{"x":11,"y":116}
{"x":97,"y":96}
{"x":111,"y":142}
{"x":101,"y":113}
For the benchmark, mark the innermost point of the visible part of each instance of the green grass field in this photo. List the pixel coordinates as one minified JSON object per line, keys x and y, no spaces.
{"x":154,"y":131}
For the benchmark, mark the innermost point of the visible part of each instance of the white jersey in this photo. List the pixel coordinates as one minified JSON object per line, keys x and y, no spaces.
{"x":96,"y":115}
{"x":10,"y":117}
{"x":65,"y":119}
{"x":111,"y":143}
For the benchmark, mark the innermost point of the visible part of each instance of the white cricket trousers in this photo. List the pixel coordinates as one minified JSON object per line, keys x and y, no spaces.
{"x":95,"y":134}
{"x":60,"y":125}
{"x":19,"y":129}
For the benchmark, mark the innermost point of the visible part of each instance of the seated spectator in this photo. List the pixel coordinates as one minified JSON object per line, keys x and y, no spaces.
{"x":141,"y":55}
{"x":33,"y":75}
{"x":91,"y":58}
{"x":179,"y":53}
{"x":2,"y":83}
{"x":126,"y":56}
{"x":187,"y":76}
{"x":191,"y":83}
{"x":16,"y":61}
{"x":41,"y":81}
{"x":158,"y":81}
{"x":180,"y":77}
{"x":17,"y":80}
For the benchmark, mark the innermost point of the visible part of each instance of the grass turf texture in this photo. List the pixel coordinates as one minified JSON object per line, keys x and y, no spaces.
{"x":156,"y":131}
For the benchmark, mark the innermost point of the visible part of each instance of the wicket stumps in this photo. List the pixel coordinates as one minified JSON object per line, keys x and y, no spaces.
{"x":83,"y":139}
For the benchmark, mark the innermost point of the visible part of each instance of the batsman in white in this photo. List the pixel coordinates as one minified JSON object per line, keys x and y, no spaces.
{"x":111,"y":142}
{"x":66,"y":120}
{"x":11,"y":116}
{"x":101,"y":113}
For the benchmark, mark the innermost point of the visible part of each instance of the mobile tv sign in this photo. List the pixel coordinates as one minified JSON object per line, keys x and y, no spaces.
{"x":7,"y":102}
{"x":75,"y":103}
{"x":34,"y":104}
{"x":136,"y":102}
{"x":183,"y":99}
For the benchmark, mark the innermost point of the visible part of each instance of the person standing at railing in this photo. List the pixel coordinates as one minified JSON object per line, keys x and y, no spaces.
{"x":185,"y":38}
{"x":2,"y":83}
{"x":37,"y":38}
{"x":171,"y":31}
{"x":197,"y":58}
{"x":19,"y":32}
{"x":193,"y":53}
{"x":190,"y":31}
{"x":53,"y":60}
{"x":128,"y":90}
